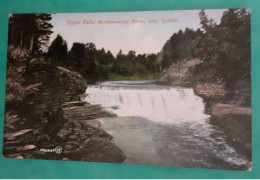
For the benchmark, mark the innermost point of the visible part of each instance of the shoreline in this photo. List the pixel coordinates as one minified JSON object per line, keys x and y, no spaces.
{"x":231,"y":115}
{"x":55,"y":118}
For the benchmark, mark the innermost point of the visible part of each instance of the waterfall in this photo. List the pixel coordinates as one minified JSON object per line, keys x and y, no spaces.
{"x":163,"y":122}
{"x":157,"y":103}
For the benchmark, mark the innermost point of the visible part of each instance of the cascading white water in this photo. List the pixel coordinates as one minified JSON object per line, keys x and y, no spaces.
{"x":163,"y":104}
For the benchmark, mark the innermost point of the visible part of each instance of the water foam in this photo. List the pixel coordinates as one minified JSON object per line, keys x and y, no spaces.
{"x":164,"y":105}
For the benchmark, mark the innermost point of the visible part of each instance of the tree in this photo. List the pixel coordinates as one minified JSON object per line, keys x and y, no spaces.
{"x":90,"y":58}
{"x":206,"y":24}
{"x":43,"y":30}
{"x":131,"y":55}
{"x":181,"y":46}
{"x":225,"y":48}
{"x":109,"y":59}
{"x":58,"y":50}
{"x":120,"y":56}
{"x":29,"y":31}
{"x":234,"y":46}
{"x":77,"y":55}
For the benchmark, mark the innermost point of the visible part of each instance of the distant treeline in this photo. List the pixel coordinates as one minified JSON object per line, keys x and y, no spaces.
{"x":97,"y":64}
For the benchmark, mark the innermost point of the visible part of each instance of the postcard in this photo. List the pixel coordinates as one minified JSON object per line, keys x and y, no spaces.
{"x":162,"y":88}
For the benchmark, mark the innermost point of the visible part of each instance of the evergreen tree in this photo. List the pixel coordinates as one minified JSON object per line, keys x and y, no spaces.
{"x":58,"y":50}
{"x":226,"y":47}
{"x":29,"y":31}
{"x":77,"y":55}
{"x":206,"y":24}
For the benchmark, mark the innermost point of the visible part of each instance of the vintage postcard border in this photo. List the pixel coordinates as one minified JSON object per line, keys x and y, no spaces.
{"x":13,"y":168}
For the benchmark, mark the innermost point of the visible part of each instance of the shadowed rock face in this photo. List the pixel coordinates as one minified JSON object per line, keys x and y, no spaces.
{"x":55,"y":117}
{"x":180,"y":74}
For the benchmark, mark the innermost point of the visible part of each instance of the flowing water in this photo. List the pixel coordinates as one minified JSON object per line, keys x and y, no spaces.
{"x":163,"y":126}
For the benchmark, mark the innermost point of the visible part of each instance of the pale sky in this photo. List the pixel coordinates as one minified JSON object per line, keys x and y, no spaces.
{"x":142,"y":38}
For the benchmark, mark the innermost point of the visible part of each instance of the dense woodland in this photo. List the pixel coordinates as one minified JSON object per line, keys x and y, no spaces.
{"x":224,"y":49}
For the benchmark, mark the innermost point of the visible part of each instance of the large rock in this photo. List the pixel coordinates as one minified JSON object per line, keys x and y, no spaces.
{"x":180,"y":74}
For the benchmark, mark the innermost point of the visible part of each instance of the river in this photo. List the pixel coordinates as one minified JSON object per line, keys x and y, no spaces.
{"x":163,"y":126}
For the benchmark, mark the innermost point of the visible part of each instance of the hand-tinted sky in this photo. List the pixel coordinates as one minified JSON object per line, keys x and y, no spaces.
{"x":142,"y":38}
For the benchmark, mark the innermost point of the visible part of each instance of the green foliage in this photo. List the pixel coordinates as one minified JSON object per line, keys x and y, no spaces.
{"x":181,"y":46}
{"x":99,"y":65}
{"x":88,"y":61}
{"x":134,"y":65}
{"x":145,"y":76}
{"x":223,"y":48}
{"x":29,"y":31}
{"x":77,"y":55}
{"x":17,"y":88}
{"x":35,"y":91}
{"x":206,"y":24}
{"x":58,"y":50}
{"x":227,"y":48}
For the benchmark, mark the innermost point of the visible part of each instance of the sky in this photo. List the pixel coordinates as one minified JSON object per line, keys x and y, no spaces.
{"x":140,"y":37}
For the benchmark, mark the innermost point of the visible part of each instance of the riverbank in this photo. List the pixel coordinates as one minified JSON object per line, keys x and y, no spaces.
{"x":80,"y":138}
{"x":230,"y":109}
{"x":52,"y":122}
